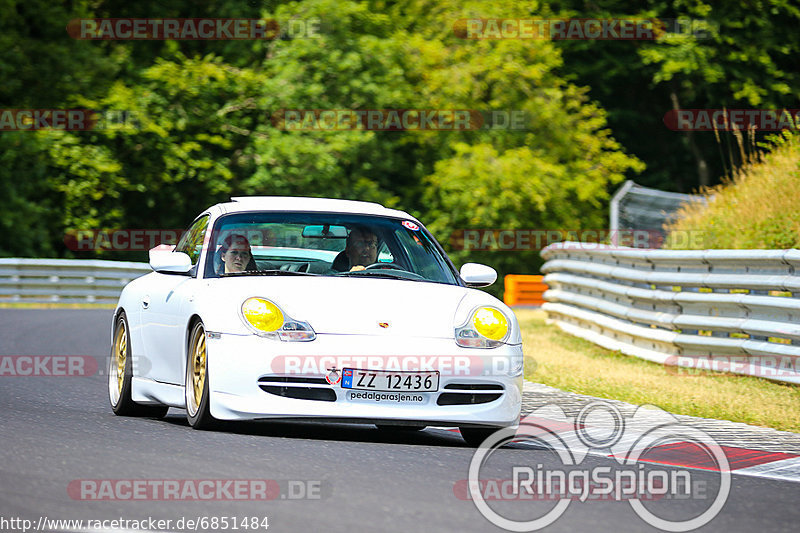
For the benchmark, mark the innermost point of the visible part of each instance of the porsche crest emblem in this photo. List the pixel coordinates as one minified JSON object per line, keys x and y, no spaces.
{"x":384,"y":325}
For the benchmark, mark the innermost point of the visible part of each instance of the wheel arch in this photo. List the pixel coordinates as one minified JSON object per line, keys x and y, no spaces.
{"x":193,"y":319}
{"x":117,"y":313}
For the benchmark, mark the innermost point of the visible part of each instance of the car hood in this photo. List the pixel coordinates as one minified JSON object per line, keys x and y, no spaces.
{"x":354,"y":306}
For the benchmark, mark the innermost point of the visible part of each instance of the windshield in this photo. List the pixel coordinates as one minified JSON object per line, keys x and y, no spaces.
{"x":325,"y":244}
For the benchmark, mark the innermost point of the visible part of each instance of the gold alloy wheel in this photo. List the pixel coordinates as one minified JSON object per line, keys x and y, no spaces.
{"x":198,"y":369}
{"x":120,"y":372}
{"x":117,"y":377}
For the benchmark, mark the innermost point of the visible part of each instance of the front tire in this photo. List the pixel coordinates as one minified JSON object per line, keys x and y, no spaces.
{"x":120,"y":372}
{"x":198,"y":411}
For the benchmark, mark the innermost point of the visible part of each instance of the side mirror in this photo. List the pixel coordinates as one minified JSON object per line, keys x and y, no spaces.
{"x":170,"y":262}
{"x":477,"y":275}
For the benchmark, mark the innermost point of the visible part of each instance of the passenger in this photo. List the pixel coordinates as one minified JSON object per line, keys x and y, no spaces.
{"x":360,"y":251}
{"x":235,"y":254}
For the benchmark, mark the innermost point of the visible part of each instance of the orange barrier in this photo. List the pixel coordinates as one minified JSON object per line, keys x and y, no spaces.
{"x":524,"y":290}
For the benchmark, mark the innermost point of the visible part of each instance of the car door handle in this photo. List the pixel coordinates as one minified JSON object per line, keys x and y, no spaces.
{"x":146,"y":302}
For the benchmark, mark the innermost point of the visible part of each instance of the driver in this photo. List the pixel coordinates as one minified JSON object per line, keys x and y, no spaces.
{"x":360,"y":251}
{"x":235,"y":253}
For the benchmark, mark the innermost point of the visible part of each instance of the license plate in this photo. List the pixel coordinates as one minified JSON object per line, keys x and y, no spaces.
{"x":388,"y":381}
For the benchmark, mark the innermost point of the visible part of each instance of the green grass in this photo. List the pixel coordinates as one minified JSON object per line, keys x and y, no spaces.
{"x":758,"y":208}
{"x":560,"y":360}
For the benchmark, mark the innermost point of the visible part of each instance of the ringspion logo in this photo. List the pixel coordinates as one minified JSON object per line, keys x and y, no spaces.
{"x":656,"y":492}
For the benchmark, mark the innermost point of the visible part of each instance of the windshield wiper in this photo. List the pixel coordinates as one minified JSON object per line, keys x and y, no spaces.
{"x":269,"y":273}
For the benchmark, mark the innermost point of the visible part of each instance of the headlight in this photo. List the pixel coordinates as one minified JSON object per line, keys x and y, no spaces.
{"x":263,"y":315}
{"x":486,"y":327}
{"x":490,"y":323}
{"x":264,"y":318}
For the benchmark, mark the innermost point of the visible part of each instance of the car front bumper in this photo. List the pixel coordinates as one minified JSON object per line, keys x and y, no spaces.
{"x":237,"y":362}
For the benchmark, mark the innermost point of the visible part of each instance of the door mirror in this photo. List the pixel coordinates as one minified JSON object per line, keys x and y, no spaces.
{"x":170,"y":262}
{"x":477,"y":275}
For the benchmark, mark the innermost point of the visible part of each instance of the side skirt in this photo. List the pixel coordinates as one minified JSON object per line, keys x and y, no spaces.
{"x":149,"y":392}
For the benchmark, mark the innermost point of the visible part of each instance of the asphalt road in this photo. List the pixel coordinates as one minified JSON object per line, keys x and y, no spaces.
{"x":56,"y":431}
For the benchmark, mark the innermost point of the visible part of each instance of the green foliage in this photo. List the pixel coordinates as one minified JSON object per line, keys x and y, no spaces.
{"x":203,"y":125}
{"x":553,"y":174}
{"x":757,"y":209}
{"x":41,"y":66}
{"x":733,"y":54}
{"x":29,"y":211}
{"x":203,"y":113}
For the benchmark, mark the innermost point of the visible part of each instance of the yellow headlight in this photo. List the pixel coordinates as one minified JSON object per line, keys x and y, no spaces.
{"x":262,"y":314}
{"x":490,"y":323}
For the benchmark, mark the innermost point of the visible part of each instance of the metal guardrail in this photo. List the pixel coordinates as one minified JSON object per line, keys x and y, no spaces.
{"x":66,"y":280}
{"x":727,"y":310}
{"x":636,"y":207}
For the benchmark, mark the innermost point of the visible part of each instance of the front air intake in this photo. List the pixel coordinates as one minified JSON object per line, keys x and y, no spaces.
{"x":463,"y":398}
{"x":473,"y":386}
{"x":298,"y":388}
{"x":470,"y":393}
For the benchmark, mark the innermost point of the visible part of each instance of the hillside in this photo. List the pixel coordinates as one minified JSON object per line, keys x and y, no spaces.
{"x":758,"y":208}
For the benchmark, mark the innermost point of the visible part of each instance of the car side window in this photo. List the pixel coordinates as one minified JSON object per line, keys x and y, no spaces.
{"x":192,"y":241}
{"x":384,"y":254}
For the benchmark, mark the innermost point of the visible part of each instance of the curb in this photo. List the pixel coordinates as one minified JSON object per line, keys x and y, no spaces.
{"x":751,"y":450}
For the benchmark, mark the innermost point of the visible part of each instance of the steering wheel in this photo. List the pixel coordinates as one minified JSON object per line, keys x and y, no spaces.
{"x":375,"y":266}
{"x":394,"y":266}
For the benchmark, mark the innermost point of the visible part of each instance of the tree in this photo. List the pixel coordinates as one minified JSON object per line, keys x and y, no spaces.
{"x":204,"y":130}
{"x":732,"y":54}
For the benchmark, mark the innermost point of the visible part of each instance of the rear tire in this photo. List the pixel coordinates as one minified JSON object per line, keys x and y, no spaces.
{"x":120,"y":372}
{"x":198,"y":410}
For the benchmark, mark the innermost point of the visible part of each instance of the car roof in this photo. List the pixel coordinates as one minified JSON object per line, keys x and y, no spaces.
{"x":298,"y":203}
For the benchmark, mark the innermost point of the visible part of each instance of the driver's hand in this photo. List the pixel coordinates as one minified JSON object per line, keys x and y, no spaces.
{"x":357,"y":268}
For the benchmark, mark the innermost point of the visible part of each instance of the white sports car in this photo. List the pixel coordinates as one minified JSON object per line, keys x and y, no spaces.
{"x":301,"y":308}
